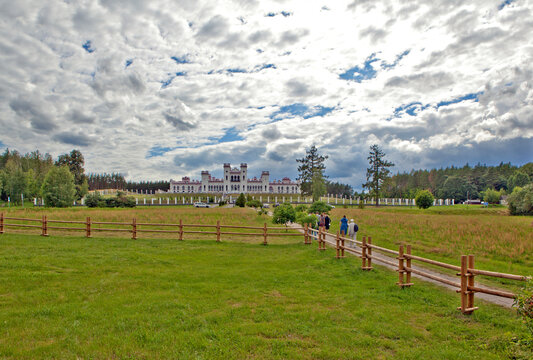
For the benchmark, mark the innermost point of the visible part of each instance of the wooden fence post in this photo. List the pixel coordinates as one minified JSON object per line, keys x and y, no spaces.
{"x":337,"y":246}
{"x":342,"y":247}
{"x":88,"y":227}
{"x":400,"y":267}
{"x":181,"y":230}
{"x":1,"y":223}
{"x":265,"y":229}
{"x":44,"y":226}
{"x":218,"y":230}
{"x":363,"y":254}
{"x":408,"y":261}
{"x":306,"y":234}
{"x":467,"y":280}
{"x":464,"y":283}
{"x":134,"y":229}
{"x":470,"y":302}
{"x":369,"y":253}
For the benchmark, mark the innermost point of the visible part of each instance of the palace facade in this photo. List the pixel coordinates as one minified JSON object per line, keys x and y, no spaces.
{"x":235,"y":181}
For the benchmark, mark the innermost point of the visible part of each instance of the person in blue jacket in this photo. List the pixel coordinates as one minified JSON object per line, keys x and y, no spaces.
{"x":344,"y":225}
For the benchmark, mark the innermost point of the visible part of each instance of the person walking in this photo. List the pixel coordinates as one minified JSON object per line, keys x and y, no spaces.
{"x":352,"y":231}
{"x":344,"y":225}
{"x":327,"y":222}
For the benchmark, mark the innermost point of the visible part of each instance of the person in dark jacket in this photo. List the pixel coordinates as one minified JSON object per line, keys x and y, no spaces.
{"x":327,"y":222}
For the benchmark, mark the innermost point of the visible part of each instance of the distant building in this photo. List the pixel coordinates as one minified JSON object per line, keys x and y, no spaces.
{"x":235,"y":181}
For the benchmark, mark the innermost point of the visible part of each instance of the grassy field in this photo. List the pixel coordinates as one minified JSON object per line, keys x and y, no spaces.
{"x":70,"y":297}
{"x":500,"y":242}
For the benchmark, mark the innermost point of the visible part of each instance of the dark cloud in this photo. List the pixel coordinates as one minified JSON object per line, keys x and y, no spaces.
{"x":299,"y":88}
{"x":375,"y":34}
{"x":33,"y":112}
{"x":70,"y":138}
{"x":178,"y":122}
{"x":271,"y":133}
{"x":291,"y":37}
{"x":422,"y":81}
{"x":78,"y":117}
{"x":216,"y":27}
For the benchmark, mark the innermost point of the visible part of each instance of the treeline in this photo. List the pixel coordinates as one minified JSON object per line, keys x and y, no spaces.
{"x":338,"y":189}
{"x":458,"y":183}
{"x":106,"y":181}
{"x":150,"y":186}
{"x":23,"y":175}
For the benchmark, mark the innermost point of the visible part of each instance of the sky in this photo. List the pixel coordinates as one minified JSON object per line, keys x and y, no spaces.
{"x":164,"y":89}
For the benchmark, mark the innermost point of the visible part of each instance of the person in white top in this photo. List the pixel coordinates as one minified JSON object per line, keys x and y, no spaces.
{"x":352,"y":232}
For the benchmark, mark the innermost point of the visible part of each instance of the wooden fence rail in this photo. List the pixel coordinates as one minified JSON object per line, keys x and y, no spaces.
{"x":467,"y":272}
{"x":135,"y":228}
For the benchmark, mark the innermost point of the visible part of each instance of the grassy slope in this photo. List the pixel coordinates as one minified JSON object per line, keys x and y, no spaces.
{"x":63,"y":297}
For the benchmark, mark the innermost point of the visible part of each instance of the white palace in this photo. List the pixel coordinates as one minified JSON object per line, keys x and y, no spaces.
{"x":235,"y":181}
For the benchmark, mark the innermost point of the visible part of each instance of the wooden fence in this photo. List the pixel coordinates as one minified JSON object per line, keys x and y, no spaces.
{"x":135,"y":228}
{"x":466,"y":271}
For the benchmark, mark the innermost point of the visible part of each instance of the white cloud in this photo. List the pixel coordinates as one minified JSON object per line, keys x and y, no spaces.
{"x":125,"y":95}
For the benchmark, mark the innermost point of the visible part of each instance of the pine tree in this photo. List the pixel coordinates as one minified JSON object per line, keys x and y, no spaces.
{"x":377,"y":172}
{"x":312,"y":163}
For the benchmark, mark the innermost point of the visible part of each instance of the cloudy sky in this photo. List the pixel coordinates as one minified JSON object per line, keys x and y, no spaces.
{"x":162,"y":89}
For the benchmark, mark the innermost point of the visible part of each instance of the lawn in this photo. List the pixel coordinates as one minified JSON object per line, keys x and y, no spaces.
{"x":72,"y":297}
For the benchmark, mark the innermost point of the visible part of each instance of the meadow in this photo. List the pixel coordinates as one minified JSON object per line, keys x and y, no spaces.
{"x":113,"y":297}
{"x":499,"y":242}
{"x":69,"y":297}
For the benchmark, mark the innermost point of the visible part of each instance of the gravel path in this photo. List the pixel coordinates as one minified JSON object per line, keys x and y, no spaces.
{"x":505,"y":302}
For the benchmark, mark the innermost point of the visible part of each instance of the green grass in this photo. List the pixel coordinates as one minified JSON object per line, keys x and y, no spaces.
{"x":72,"y":297}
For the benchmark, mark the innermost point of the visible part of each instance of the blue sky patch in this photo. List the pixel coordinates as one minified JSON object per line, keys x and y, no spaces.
{"x":384,"y":65}
{"x":298,"y":109}
{"x":411,"y":109}
{"x":504,"y":4}
{"x":2,"y":144}
{"x":181,"y":73}
{"x":231,"y":135}
{"x":157,"y":151}
{"x":129,"y":62}
{"x":180,"y":59}
{"x":359,"y":74}
{"x":286,"y":13}
{"x":472,"y":96}
{"x":270,"y":14}
{"x":88,"y":46}
{"x":236,"y":70}
{"x":267,"y":66}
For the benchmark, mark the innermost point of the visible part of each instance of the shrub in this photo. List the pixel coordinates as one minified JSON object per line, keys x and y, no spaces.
{"x":58,"y":187}
{"x":241,"y":200}
{"x":319,"y":207}
{"x":521,"y":201}
{"x":361,"y":204}
{"x":254,"y":203}
{"x":283,"y":214}
{"x":222,"y":203}
{"x":301,"y":208}
{"x":303,"y":219}
{"x":94,"y":200}
{"x":424,"y":199}
{"x":491,"y":196}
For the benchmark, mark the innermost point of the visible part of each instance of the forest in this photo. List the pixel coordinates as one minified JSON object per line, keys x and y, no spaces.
{"x":459,"y":183}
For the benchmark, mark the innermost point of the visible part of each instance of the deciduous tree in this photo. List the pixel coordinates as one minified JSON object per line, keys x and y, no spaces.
{"x":58,"y":187}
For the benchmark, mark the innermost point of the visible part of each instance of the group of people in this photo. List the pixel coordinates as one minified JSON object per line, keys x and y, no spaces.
{"x":350,"y":229}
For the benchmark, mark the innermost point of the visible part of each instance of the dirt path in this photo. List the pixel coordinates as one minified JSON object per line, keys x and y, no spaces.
{"x":505,"y":302}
